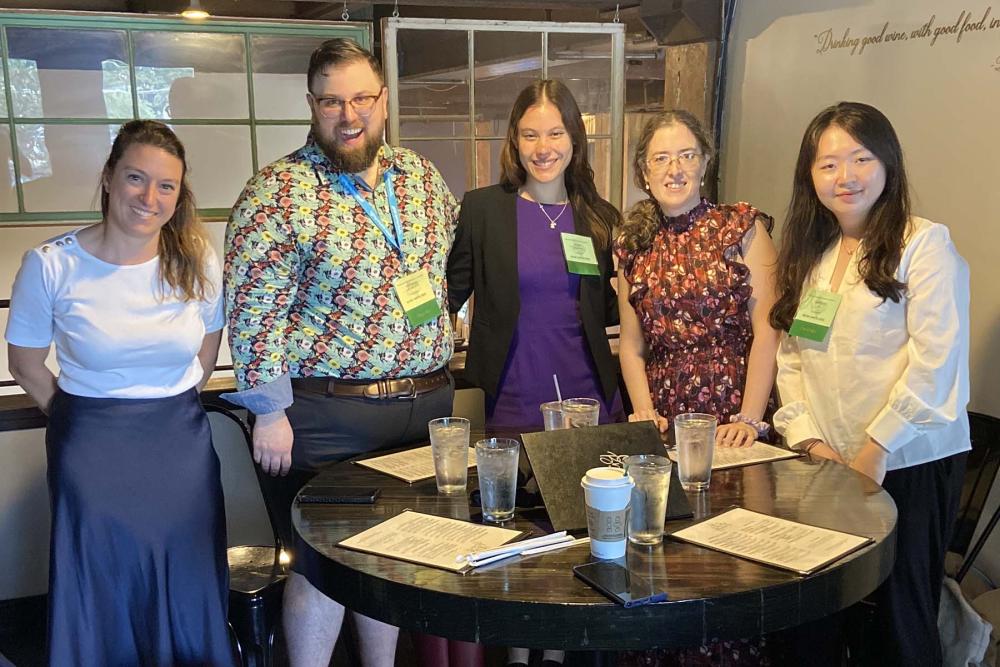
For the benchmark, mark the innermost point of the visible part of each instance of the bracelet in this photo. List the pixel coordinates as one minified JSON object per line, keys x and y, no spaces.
{"x":762,"y":427}
{"x":812,"y":444}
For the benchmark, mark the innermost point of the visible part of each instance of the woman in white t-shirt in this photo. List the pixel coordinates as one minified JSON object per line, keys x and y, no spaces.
{"x":881,"y":387}
{"x":137,"y":561}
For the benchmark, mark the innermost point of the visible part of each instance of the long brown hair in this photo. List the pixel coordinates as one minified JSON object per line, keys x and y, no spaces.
{"x":811,"y":227}
{"x":599,"y":215}
{"x":183,"y":243}
{"x":643,"y":219}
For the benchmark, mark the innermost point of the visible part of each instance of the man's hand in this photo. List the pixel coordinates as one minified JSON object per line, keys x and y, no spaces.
{"x":737,"y":434}
{"x":871,"y":461}
{"x":272,"y":443}
{"x":650,"y":415}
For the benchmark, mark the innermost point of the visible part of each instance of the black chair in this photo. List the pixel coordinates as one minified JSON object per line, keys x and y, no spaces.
{"x":256,"y":580}
{"x":980,"y":474}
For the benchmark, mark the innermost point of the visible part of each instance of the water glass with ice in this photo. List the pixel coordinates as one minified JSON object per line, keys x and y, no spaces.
{"x":579,"y":412}
{"x":695,"y":436}
{"x":496,"y":465}
{"x":648,"y":513}
{"x":450,"y":448}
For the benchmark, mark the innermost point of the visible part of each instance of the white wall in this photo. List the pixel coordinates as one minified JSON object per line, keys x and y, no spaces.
{"x":942,"y":96}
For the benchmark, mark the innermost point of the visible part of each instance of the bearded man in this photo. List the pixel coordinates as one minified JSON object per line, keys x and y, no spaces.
{"x":331,"y":361}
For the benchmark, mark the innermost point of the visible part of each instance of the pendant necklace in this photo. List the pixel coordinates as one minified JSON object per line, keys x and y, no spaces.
{"x":552,"y":221}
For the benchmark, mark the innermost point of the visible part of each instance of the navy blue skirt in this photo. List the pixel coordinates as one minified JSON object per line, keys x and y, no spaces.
{"x":137,"y":565}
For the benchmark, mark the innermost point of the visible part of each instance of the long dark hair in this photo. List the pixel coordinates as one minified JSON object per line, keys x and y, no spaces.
{"x":599,"y":215}
{"x":811,"y":227}
{"x":643,"y":219}
{"x":183,"y":243}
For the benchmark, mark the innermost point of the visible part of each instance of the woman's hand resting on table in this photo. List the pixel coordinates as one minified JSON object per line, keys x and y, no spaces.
{"x":650,"y":416}
{"x":737,"y":434}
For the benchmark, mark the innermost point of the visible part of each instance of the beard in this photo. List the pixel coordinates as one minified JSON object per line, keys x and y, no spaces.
{"x":349,"y":161}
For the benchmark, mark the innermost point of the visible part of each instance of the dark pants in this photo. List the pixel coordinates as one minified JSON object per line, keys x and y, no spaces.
{"x":330,"y":429}
{"x":905,"y":625}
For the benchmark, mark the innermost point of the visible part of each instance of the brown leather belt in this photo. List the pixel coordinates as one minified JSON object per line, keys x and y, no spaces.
{"x":400,"y":388}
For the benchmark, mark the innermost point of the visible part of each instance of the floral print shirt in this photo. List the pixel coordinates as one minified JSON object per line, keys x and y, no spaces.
{"x":309,"y":277}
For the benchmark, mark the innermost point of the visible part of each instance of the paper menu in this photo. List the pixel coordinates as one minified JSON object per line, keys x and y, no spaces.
{"x":427,"y":539}
{"x":773,"y":541}
{"x":410,"y":466}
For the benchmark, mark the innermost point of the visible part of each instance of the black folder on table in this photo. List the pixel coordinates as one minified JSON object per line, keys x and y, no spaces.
{"x":560,"y":458}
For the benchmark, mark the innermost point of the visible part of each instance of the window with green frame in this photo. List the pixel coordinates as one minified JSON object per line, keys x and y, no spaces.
{"x":232,"y":90}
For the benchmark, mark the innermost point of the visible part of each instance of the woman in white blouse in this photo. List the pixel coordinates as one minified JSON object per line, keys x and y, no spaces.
{"x":137,"y":566}
{"x":881,"y":387}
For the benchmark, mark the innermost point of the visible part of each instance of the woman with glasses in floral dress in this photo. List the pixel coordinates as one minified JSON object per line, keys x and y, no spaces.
{"x":695,"y":286}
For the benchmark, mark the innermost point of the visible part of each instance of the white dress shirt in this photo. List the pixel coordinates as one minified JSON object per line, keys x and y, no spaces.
{"x":897,"y":372}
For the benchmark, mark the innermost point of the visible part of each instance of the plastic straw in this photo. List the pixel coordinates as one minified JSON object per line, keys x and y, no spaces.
{"x":555,"y":379}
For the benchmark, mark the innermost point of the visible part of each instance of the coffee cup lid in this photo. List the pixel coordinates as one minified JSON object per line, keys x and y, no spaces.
{"x":606,"y":477}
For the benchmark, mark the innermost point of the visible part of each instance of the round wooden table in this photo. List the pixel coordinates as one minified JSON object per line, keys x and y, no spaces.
{"x":537,"y":602}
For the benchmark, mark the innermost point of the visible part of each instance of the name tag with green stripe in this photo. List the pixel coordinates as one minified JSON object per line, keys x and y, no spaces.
{"x":416,"y":296}
{"x":580,"y":256}
{"x":815,"y":315}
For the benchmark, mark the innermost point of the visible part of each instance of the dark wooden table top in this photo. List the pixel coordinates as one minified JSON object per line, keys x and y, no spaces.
{"x":537,"y":602}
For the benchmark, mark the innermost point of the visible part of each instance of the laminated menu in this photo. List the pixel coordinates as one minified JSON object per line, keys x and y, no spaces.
{"x":431,"y":540}
{"x":733,"y":457}
{"x":772,"y":541}
{"x":410,"y":466}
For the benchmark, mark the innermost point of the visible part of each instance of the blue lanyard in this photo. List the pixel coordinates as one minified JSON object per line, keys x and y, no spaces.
{"x":396,"y":242}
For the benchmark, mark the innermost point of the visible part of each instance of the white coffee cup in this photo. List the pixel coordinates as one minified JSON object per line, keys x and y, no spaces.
{"x":607,"y":492}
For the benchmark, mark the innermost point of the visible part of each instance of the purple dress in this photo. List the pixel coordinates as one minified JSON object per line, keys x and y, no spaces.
{"x":548,"y":326}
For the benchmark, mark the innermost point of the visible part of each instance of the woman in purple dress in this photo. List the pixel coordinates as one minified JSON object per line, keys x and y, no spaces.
{"x":533,"y":316}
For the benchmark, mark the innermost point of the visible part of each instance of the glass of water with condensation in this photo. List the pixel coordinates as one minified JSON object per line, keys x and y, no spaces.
{"x":450,"y":448}
{"x":695,"y":435}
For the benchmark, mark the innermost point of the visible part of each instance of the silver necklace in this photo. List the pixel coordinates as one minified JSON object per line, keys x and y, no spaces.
{"x":552,"y":221}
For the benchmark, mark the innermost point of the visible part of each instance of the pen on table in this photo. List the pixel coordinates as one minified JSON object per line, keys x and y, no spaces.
{"x":515,"y":546}
{"x":566,"y":541}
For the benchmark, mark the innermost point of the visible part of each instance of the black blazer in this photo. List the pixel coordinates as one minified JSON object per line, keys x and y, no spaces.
{"x":483,"y":260}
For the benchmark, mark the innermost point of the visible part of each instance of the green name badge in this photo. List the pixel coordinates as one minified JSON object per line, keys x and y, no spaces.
{"x":416,"y":296}
{"x":815,"y":315}
{"x":580,"y":256}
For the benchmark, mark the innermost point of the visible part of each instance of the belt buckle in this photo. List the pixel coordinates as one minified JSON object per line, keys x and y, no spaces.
{"x":411,"y":393}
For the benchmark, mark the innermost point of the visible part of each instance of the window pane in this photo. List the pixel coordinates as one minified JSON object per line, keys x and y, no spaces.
{"x":61,"y":73}
{"x":279,"y":75}
{"x":488,"y":162}
{"x":8,"y":194}
{"x":190,"y":75}
{"x":3,"y":97}
{"x":450,"y":157}
{"x":506,"y":62}
{"x":277,"y":141}
{"x":433,"y":83}
{"x":218,"y":161}
{"x":61,"y":165}
{"x":583,"y":63}
{"x":599,"y":152}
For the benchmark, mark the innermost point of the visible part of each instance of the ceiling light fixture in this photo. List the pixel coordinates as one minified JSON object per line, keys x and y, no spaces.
{"x":195,"y":11}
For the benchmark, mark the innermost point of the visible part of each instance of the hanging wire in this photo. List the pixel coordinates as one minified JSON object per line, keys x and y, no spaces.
{"x":346,"y":15}
{"x":617,"y":18}
{"x":395,"y":9}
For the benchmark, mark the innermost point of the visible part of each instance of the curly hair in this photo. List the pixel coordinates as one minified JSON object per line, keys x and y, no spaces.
{"x":811,"y":227}
{"x":183,"y":243}
{"x":599,"y":215}
{"x":644,"y":218}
